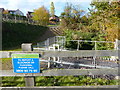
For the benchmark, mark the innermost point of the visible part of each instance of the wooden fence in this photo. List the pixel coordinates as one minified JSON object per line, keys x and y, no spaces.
{"x":62,"y":72}
{"x":106,"y":87}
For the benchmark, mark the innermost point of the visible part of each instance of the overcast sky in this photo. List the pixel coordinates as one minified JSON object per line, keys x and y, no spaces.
{"x":30,"y":5}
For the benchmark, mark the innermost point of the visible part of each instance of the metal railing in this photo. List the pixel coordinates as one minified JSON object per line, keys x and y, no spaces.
{"x":62,"y":42}
{"x":50,"y":41}
{"x":94,"y":43}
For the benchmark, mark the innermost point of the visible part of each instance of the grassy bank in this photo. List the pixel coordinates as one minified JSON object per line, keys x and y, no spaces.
{"x":14,"y":34}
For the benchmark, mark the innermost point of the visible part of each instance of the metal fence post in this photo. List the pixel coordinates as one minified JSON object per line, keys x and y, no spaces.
{"x":64,"y":41}
{"x":117,"y":44}
{"x":78,"y":46}
{"x":29,"y":80}
{"x":15,"y":19}
{"x":54,"y":40}
{"x":117,"y":47}
{"x":95,"y":45}
{"x":46,"y":47}
{"x":49,"y":62}
{"x":94,"y":58}
{"x":48,"y":42}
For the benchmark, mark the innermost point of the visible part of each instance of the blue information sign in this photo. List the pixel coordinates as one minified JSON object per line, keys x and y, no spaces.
{"x":26,"y":65}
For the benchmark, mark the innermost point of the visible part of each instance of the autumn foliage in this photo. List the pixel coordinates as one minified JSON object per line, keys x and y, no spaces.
{"x":41,"y":16}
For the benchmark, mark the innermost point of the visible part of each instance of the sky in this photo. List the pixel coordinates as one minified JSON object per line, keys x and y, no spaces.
{"x":30,"y":5}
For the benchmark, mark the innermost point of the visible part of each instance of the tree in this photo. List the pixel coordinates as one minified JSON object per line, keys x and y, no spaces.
{"x":5,"y":12}
{"x":71,"y":17}
{"x":41,"y":16}
{"x":52,"y":9}
{"x":104,"y":18}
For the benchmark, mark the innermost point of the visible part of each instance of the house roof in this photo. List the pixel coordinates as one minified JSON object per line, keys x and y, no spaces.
{"x":16,"y":12}
{"x":2,"y":9}
{"x":13,"y":10}
{"x":29,"y":12}
{"x":56,"y":16}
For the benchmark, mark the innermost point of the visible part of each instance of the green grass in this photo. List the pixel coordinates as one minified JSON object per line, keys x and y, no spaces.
{"x":53,"y":25}
{"x":58,"y":81}
{"x":5,"y":59}
{"x":14,"y":50}
{"x":13,"y":81}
